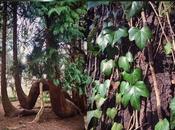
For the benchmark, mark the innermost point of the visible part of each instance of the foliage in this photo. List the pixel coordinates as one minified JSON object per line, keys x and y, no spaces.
{"x":172,"y":113}
{"x":168,"y":48}
{"x":132,"y":8}
{"x":162,"y":125}
{"x":75,"y":77}
{"x":141,"y":36}
{"x":64,"y":18}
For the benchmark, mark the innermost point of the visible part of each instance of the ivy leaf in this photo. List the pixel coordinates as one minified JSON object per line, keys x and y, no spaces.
{"x":121,"y":32}
{"x":111,"y":112}
{"x":168,"y":48}
{"x":132,"y":8}
{"x":103,"y":88}
{"x":133,"y":93}
{"x":123,"y":63}
{"x":123,"y":87}
{"x":107,"y":66}
{"x":118,"y":98}
{"x":142,"y":89}
{"x":104,"y":39}
{"x":172,"y":116}
{"x":94,"y":113}
{"x":117,"y":126}
{"x":129,"y":56}
{"x":135,"y":101}
{"x":100,"y":101}
{"x":141,"y":36}
{"x":162,"y":125}
{"x":172,"y":105}
{"x":132,"y":78}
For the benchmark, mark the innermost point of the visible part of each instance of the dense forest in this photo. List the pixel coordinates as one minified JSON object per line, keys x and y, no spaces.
{"x":87,"y":65}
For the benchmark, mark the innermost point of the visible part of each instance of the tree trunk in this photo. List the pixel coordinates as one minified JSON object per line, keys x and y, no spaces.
{"x":9,"y":109}
{"x":61,"y":106}
{"x":20,"y":93}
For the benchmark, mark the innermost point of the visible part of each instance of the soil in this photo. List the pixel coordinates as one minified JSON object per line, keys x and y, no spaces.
{"x":49,"y":121}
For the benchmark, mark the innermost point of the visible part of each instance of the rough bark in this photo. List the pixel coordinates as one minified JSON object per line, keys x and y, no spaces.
{"x":9,"y":109}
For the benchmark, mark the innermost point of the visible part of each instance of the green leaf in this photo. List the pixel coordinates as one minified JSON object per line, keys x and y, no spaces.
{"x":125,"y":99}
{"x":168,"y":48}
{"x":132,"y":78}
{"x":103,"y":40}
{"x":172,"y":116}
{"x":132,"y":8}
{"x":142,"y":89}
{"x":118,"y":98}
{"x":133,"y":93}
{"x":94,"y":113}
{"x":103,"y":88}
{"x":107,"y":66}
{"x":117,"y":126}
{"x":141,"y":37}
{"x":129,"y":56}
{"x":100,"y":102}
{"x":172,"y":105}
{"x":121,"y":32}
{"x":124,"y":86}
{"x":111,"y":112}
{"x":162,"y":125}
{"x":97,"y":113}
{"x":135,"y":101}
{"x":123,"y":63}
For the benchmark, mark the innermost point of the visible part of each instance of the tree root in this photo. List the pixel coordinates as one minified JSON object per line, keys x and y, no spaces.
{"x":39,"y":114}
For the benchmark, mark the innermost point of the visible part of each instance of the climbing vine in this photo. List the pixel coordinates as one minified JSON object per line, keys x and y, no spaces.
{"x":121,"y":78}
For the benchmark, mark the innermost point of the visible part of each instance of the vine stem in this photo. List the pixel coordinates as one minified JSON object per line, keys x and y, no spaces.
{"x":136,"y":120}
{"x":172,"y":35}
{"x":151,"y":63}
{"x":159,"y":20}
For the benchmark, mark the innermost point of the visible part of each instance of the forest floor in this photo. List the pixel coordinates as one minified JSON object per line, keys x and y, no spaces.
{"x":49,"y":121}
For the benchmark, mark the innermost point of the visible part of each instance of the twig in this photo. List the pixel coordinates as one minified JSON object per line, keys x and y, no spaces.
{"x":151,"y":63}
{"x":136,"y":119}
{"x":159,"y":20}
{"x":172,"y":35}
{"x":130,"y":121}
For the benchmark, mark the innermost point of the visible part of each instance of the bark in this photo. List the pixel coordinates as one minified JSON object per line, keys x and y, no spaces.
{"x":20,"y":93}
{"x":61,"y":106}
{"x":9,"y":109}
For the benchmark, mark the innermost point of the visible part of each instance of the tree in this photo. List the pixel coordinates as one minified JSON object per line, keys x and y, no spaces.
{"x":9,"y":109}
{"x":20,"y":93}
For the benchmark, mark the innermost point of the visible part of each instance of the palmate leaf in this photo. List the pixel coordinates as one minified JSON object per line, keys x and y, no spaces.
{"x":132,"y":78}
{"x":117,"y":126}
{"x":162,"y":125}
{"x":121,"y":32}
{"x":103,"y":88}
{"x":132,"y":93}
{"x":141,"y":36}
{"x":172,"y":117}
{"x":132,"y":8}
{"x":129,"y":56}
{"x":111,"y":112}
{"x":123,"y":63}
{"x":168,"y":48}
{"x":103,"y":40}
{"x":107,"y":66}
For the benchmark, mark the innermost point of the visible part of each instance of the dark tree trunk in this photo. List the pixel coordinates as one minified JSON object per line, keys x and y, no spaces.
{"x":9,"y":109}
{"x":20,"y":93}
{"x":61,"y":106}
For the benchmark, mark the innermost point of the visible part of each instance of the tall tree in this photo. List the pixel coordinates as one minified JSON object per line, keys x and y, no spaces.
{"x":20,"y":93}
{"x":9,"y":109}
